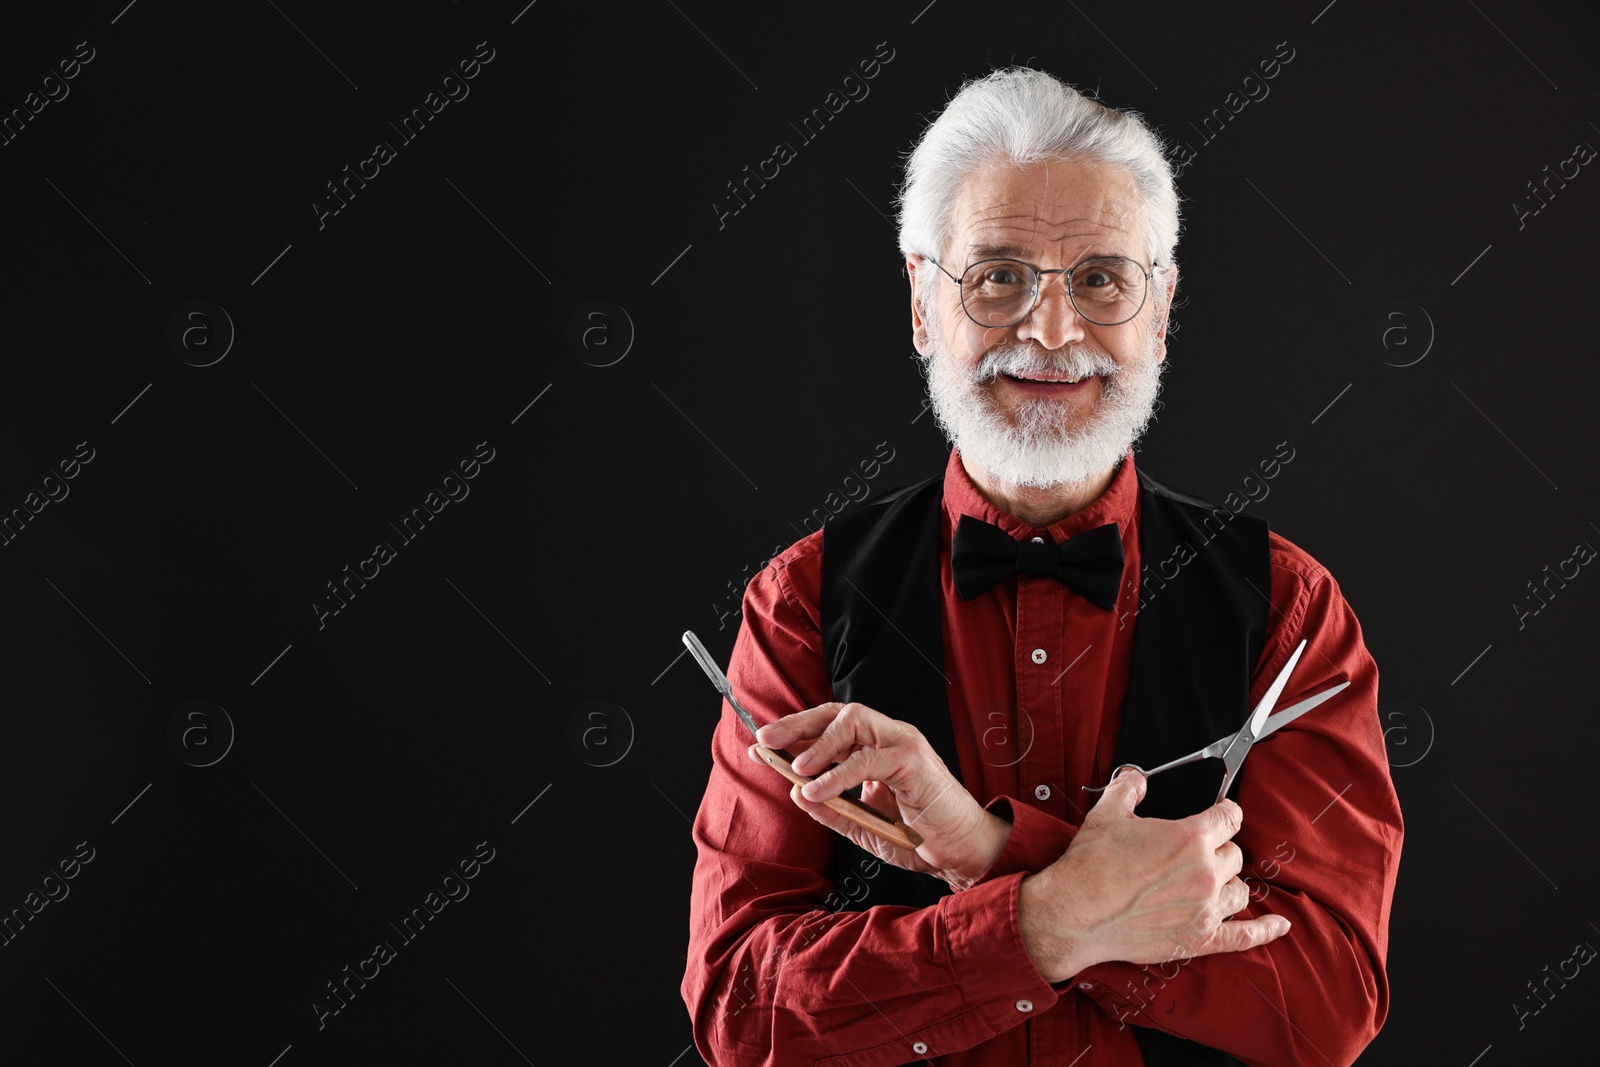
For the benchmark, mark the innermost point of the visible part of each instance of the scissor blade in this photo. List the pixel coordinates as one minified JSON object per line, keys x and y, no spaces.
{"x":1258,"y":718}
{"x":718,"y":679}
{"x":1294,"y":711}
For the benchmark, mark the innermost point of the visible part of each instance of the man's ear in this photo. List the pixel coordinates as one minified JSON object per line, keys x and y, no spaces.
{"x":1168,"y":279}
{"x":919,"y":324}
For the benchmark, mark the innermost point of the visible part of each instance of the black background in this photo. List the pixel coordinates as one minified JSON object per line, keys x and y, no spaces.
{"x":630,"y":502}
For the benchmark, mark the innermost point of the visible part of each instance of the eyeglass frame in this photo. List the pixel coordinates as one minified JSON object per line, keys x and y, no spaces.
{"x":1038,"y":276}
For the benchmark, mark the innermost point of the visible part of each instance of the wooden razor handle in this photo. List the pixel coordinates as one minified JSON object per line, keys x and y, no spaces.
{"x":861,"y":814}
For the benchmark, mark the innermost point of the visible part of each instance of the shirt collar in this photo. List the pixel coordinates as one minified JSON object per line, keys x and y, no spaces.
{"x":1117,"y":504}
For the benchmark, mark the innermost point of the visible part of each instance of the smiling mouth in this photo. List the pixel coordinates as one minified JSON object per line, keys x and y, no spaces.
{"x":1045,"y":381}
{"x":1044,"y":378}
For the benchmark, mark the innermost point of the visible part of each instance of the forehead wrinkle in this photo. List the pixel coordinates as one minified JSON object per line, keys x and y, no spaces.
{"x":1112,"y":215}
{"x":997,"y":226}
{"x":1006,"y":206}
{"x":1038,"y":213}
{"x":1108,"y":200}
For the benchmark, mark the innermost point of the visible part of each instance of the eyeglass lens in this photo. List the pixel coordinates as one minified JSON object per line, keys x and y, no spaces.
{"x":1106,"y":290}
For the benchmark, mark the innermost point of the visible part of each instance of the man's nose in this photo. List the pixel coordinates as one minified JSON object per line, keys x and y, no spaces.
{"x":1054,"y":321}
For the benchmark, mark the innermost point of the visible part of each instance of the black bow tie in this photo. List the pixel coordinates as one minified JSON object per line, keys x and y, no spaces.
{"x":982,"y":555}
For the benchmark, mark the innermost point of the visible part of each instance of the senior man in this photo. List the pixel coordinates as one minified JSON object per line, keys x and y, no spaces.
{"x":979,"y":650}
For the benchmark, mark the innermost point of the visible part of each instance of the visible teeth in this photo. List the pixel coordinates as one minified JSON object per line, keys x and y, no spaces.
{"x":1050,"y":381}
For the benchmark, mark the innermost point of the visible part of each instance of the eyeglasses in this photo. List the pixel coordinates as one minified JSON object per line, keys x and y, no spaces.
{"x":1105,"y":290}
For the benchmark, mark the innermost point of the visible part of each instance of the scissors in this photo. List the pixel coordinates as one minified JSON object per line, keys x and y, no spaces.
{"x":1233,"y":749}
{"x":862,"y":815}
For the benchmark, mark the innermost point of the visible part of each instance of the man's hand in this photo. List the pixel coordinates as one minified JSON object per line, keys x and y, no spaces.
{"x":1141,"y":890}
{"x":901,"y":776}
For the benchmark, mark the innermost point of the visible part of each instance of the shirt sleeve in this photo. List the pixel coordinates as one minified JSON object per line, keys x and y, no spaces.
{"x":777,"y":972}
{"x":1321,"y":838}
{"x":1037,"y":839}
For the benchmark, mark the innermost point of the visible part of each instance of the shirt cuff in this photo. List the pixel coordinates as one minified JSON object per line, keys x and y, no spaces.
{"x":1124,"y":990}
{"x":990,"y":961}
{"x":1037,"y":840}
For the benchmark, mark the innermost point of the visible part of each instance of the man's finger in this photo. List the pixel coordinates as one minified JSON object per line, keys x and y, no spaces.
{"x":822,"y":813}
{"x":1120,"y":797}
{"x":1231,"y":856}
{"x":1235,"y":897}
{"x":863,"y":839}
{"x":1219,"y":822}
{"x":798,"y":726}
{"x":854,"y":724}
{"x":865,"y":764}
{"x":1236,"y":935}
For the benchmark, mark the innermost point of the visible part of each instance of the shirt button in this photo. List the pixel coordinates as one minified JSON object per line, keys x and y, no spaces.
{"x":920,"y":1048}
{"x":1040,"y":655}
{"x":1042,"y":792}
{"x":1024,"y":1005}
{"x":1038,"y":540}
{"x":1085,"y":985}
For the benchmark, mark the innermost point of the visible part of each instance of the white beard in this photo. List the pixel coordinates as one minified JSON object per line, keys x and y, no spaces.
{"x":1043,"y":449}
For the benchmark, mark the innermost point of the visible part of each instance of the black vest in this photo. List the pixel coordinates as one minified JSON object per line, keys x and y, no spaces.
{"x":1197,"y":638}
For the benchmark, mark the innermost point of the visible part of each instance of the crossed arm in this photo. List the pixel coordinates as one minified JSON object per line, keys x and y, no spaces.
{"x":1164,"y":924}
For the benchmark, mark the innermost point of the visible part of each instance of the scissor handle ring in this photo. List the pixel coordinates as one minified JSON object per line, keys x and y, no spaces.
{"x":1119,"y":768}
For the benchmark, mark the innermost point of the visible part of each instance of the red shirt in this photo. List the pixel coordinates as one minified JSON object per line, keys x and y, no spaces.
{"x":778,"y":975}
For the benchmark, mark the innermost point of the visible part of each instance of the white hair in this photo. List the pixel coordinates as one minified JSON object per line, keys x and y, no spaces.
{"x":1022,"y":116}
{"x":1041,"y":448}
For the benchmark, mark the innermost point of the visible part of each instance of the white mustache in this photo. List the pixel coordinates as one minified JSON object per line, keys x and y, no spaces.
{"x":1039,"y":447}
{"x":1075,"y":363}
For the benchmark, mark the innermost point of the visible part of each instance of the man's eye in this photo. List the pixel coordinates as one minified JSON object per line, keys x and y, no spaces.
{"x":1096,"y":279}
{"x":1001,"y":276}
